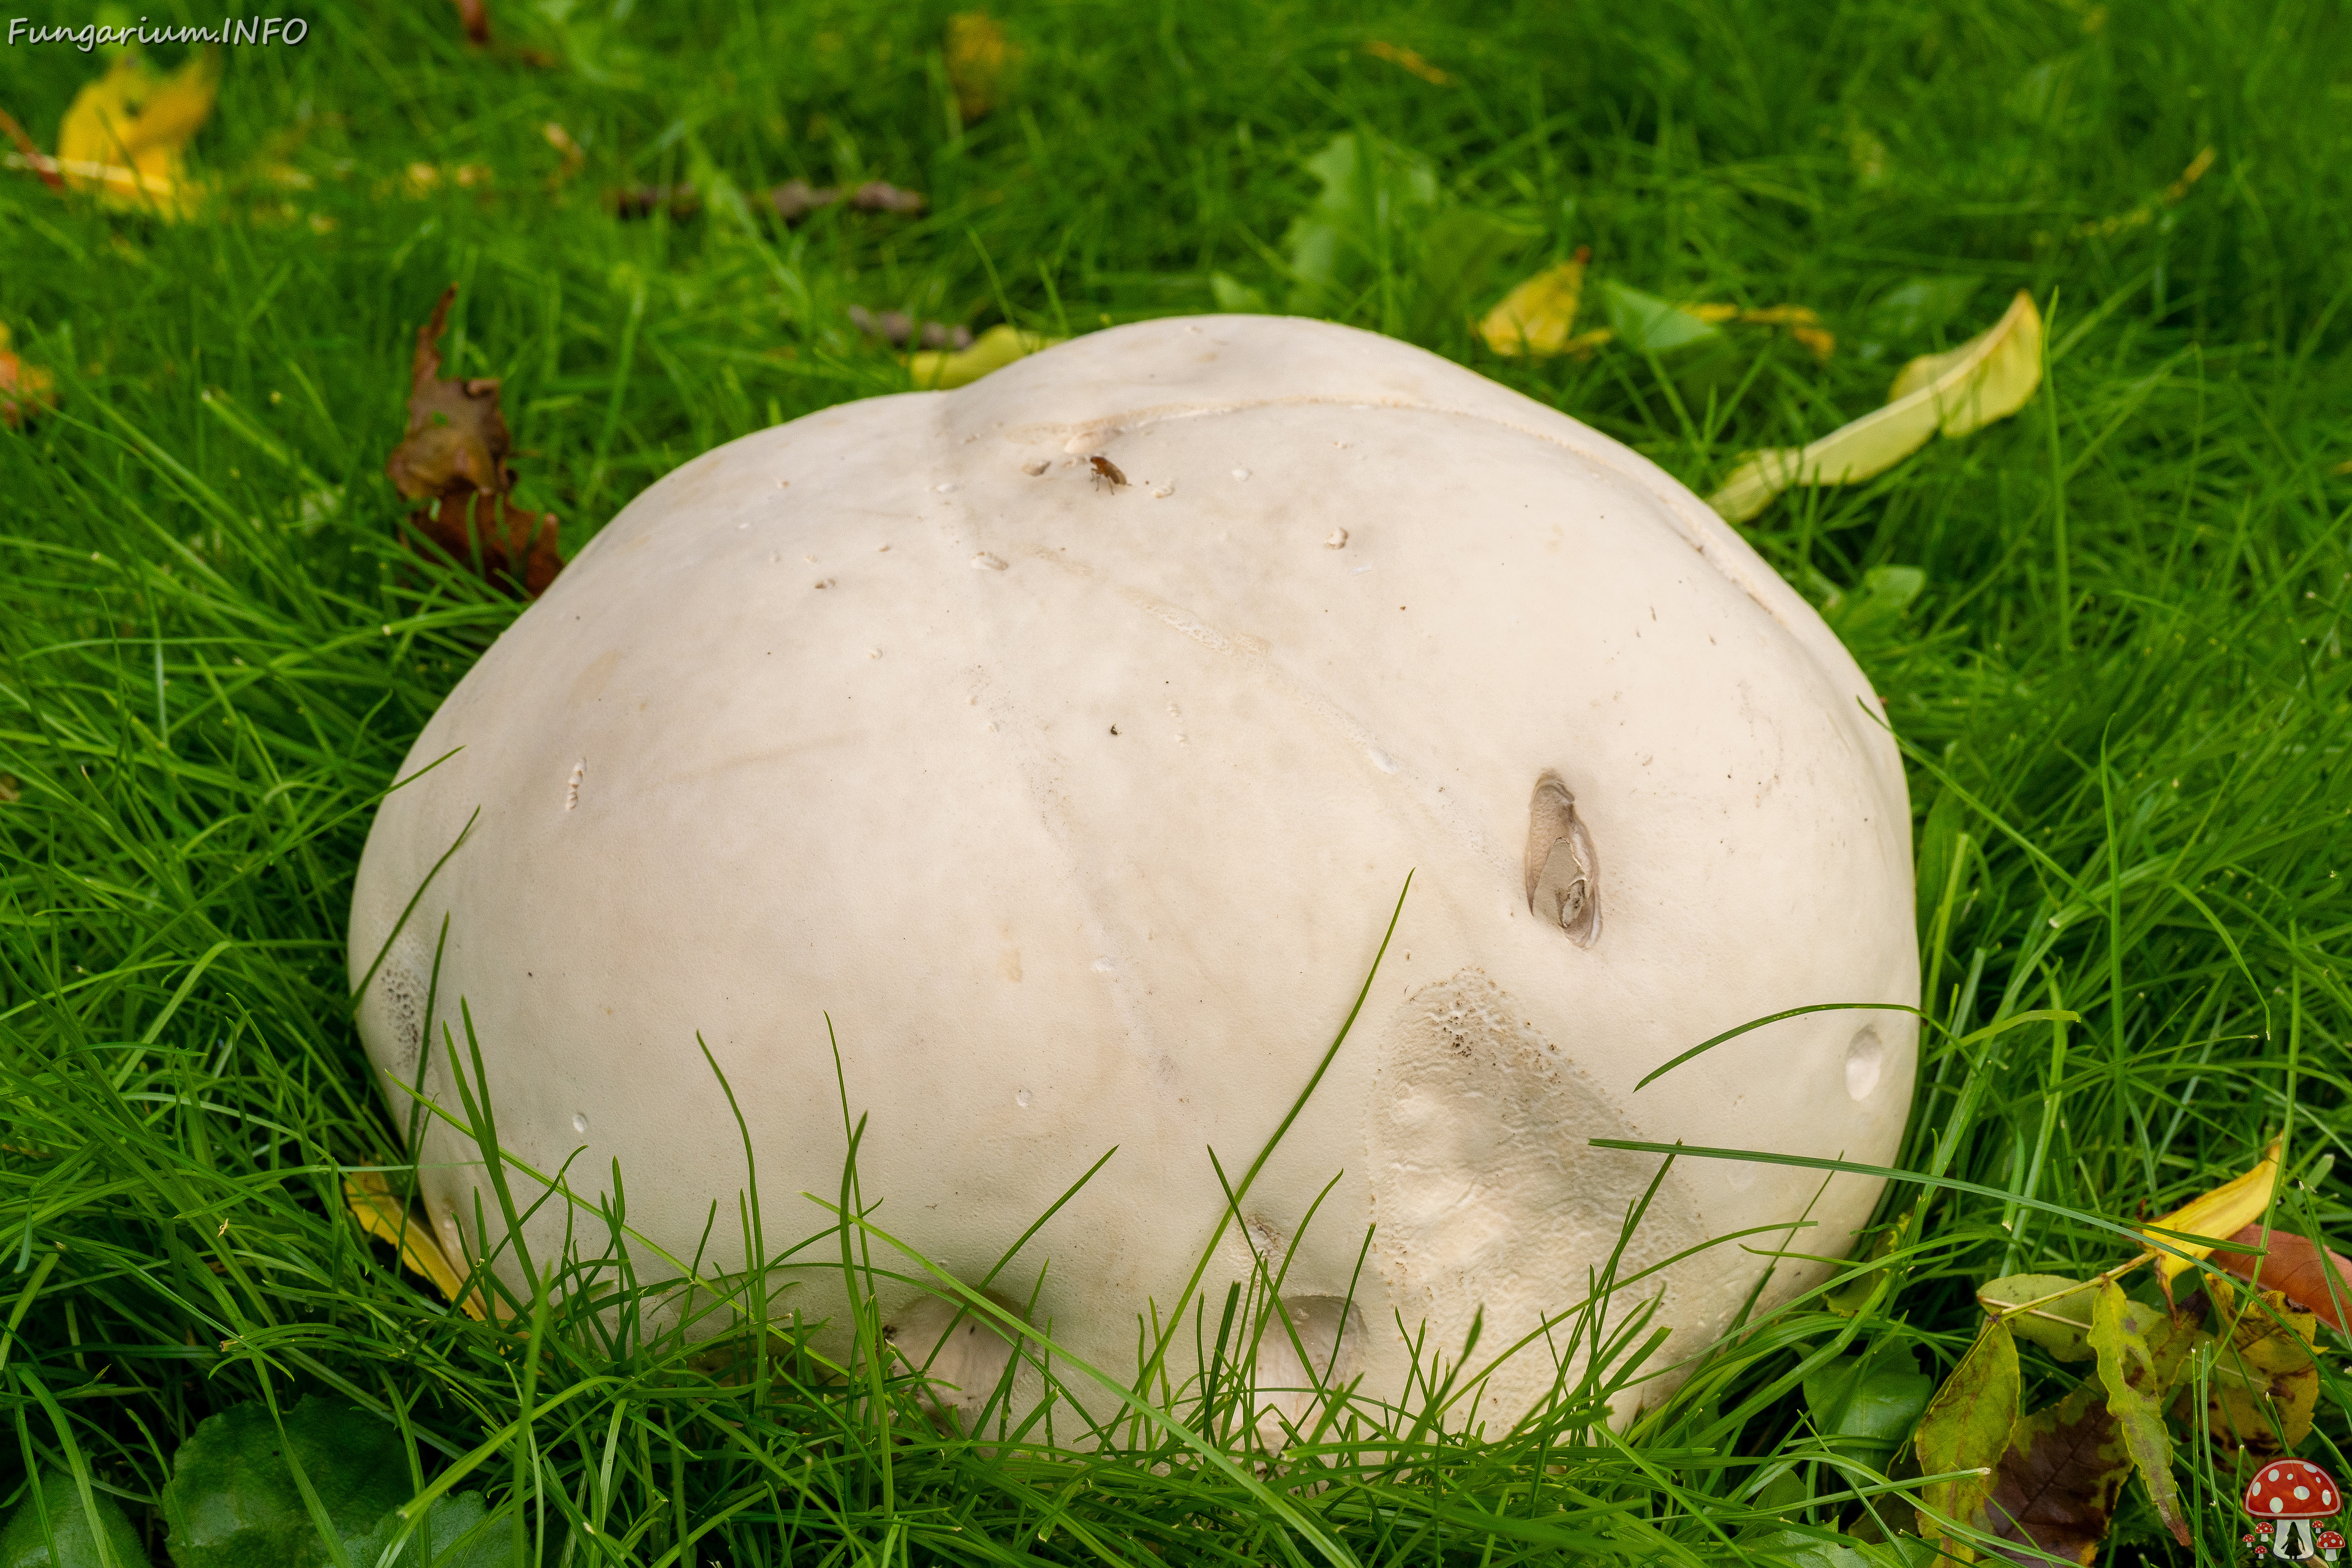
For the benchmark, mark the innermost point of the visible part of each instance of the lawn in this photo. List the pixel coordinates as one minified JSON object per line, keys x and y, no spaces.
{"x":2120,"y":684}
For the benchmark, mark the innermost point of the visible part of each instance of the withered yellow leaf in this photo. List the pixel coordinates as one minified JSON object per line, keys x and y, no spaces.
{"x":1538,"y":318}
{"x":369,"y":1197}
{"x":1804,"y":325}
{"x":2221,"y":1213}
{"x":1989,"y":377}
{"x":979,"y":58}
{"x":126,"y":134}
{"x":941,"y":370}
{"x":1398,"y":56}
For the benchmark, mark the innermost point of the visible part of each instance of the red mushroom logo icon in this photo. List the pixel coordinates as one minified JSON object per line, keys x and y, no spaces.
{"x":2288,"y":1494}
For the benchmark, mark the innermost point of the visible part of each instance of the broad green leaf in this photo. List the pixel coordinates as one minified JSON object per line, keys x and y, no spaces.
{"x":1989,"y":377}
{"x":1967,"y":1426}
{"x":52,"y":1516}
{"x":1790,"y":1547}
{"x":1884,"y":593}
{"x":2055,"y":1486}
{"x":941,"y":370}
{"x":1914,"y":307}
{"x":232,"y":1500}
{"x":2220,"y":1214}
{"x":2264,"y":1382}
{"x":1371,"y":191}
{"x":1236,"y":298}
{"x":2061,"y":1325}
{"x":434,"y":1543}
{"x":1866,"y":1405}
{"x":1458,"y":252}
{"x":2139,"y":1350}
{"x":1940,"y":842}
{"x":1647,"y":324}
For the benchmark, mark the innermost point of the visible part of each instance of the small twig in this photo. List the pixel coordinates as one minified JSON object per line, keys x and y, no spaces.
{"x":2093,"y":1283}
{"x":41,"y":163}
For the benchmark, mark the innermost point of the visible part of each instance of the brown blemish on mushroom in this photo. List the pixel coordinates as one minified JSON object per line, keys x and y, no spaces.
{"x":1563,"y":871}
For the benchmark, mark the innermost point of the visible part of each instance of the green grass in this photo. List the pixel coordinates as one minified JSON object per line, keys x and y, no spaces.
{"x":2123,"y":691}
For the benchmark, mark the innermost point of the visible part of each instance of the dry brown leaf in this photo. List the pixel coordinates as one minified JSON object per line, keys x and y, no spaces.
{"x":24,"y":389}
{"x":29,"y":156}
{"x":980,"y":58}
{"x":2295,"y":1266}
{"x":901,"y":330}
{"x":1408,"y":60}
{"x":1989,"y":377}
{"x":474,"y":16}
{"x":369,"y":1197}
{"x":453,"y":458}
{"x":126,"y":134}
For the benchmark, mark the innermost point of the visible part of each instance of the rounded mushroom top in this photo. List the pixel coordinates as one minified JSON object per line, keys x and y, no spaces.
{"x":2292,"y":1488}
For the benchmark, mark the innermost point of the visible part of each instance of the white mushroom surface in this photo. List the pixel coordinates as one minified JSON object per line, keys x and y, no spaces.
{"x":1081,"y":806}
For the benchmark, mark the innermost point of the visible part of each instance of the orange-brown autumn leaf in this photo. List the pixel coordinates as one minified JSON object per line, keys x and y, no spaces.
{"x":454,"y":458}
{"x":2295,"y":1268}
{"x":474,"y":16}
{"x":24,"y":389}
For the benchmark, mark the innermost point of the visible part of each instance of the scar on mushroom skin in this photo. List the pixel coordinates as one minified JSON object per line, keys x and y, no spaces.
{"x":1563,"y":869}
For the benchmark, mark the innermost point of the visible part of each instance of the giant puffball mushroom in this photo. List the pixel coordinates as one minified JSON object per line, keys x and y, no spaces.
{"x":1074,"y":798}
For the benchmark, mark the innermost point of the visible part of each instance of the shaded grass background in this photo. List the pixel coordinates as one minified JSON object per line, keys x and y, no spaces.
{"x":2124,"y":686}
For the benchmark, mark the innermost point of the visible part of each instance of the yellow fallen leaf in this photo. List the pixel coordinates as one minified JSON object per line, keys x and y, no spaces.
{"x":2145,"y":214}
{"x":126,"y":134}
{"x":1803,"y":325}
{"x":1536,"y":318}
{"x":979,"y":57}
{"x":24,"y":389}
{"x":573,"y":158}
{"x":369,"y":1197}
{"x":2221,"y":1213}
{"x":1408,"y":60}
{"x":941,"y":370}
{"x":1989,"y":377}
